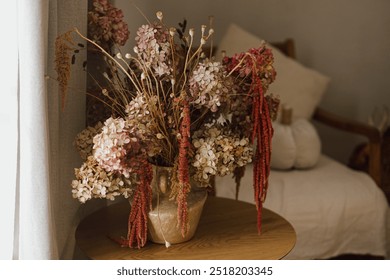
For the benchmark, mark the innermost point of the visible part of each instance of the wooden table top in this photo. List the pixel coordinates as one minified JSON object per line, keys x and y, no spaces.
{"x":227,"y":230}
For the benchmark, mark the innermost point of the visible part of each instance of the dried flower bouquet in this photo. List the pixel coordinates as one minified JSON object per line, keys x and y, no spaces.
{"x":173,"y":105}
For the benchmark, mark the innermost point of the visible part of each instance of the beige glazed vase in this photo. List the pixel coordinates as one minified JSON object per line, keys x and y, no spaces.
{"x":162,"y":219}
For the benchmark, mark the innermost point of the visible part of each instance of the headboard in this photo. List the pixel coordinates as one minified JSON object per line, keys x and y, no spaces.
{"x":287,"y":47}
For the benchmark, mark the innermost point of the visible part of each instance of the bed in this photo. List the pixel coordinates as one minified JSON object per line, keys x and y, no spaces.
{"x":335,"y":210}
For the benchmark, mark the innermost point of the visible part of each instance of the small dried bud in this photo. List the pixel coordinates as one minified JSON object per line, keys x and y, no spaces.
{"x":159,"y":15}
{"x":202,"y":41}
{"x":105,"y":92}
{"x":172,"y":31}
{"x":119,"y":56}
{"x":211,"y":31}
{"x":160,"y":136}
{"x":135,"y":49}
{"x":143,"y":76}
{"x":203,"y":29}
{"x":128,"y":56}
{"x":191,"y":32}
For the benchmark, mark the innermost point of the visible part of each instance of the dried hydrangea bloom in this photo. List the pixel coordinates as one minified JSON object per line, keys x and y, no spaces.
{"x":240,"y":110}
{"x":137,"y":109}
{"x":141,"y":124}
{"x":205,"y":160}
{"x":84,"y":140}
{"x":92,"y":181}
{"x":106,"y":25}
{"x":153,"y":48}
{"x":112,"y":145}
{"x":219,"y":152}
{"x":121,"y":139}
{"x":209,"y":85}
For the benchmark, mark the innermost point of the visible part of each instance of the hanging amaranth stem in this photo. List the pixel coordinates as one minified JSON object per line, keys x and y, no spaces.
{"x":262,"y":134}
{"x":183,"y":172}
{"x":138,"y":219}
{"x":255,"y":67}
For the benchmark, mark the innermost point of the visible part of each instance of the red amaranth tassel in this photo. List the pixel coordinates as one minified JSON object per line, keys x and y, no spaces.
{"x":137,"y":228}
{"x":183,"y":172}
{"x":262,"y":133}
{"x":258,"y":64}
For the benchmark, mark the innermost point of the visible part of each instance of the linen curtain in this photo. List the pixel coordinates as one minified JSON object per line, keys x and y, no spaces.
{"x":38,"y":215}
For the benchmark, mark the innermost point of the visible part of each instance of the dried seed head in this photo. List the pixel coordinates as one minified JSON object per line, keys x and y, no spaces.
{"x":172,"y":31}
{"x":203,"y":29}
{"x":159,"y":15}
{"x":160,"y":136}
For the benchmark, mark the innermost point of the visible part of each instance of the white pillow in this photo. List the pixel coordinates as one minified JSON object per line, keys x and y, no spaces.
{"x":300,"y":87}
{"x":308,"y":144}
{"x":295,"y":146}
{"x":284,"y":150}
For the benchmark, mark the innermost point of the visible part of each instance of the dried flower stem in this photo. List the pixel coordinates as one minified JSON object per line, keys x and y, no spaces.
{"x":115,"y":106}
{"x":110,"y":57}
{"x":211,"y":22}
{"x":239,"y":173}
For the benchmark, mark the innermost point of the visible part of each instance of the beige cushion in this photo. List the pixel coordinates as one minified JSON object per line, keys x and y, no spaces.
{"x":284,"y":150}
{"x":296,"y":85}
{"x":295,"y":146}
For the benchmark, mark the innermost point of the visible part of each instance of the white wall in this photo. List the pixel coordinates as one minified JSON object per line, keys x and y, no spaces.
{"x":348,"y":40}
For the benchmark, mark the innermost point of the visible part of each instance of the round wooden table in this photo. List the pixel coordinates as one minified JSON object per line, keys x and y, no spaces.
{"x":227,"y":230}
